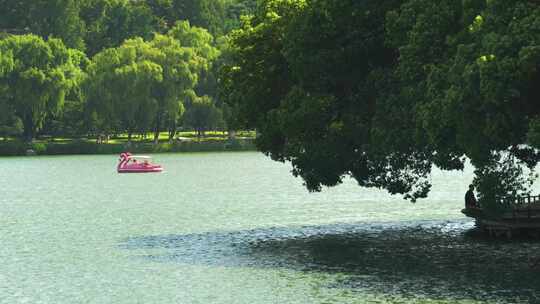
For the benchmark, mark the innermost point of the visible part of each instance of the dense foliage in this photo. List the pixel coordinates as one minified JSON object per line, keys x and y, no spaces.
{"x":144,"y":82}
{"x":148,"y":62}
{"x":36,"y":77}
{"x":383,"y":90}
{"x":380,"y":90}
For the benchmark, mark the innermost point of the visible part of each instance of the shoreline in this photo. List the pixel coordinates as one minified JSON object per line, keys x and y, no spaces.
{"x":81,"y":147}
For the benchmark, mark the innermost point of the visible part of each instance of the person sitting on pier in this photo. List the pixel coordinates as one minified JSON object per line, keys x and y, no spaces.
{"x":470,"y":199}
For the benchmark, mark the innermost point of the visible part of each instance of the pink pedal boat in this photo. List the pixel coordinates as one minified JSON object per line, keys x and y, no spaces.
{"x":137,"y":164}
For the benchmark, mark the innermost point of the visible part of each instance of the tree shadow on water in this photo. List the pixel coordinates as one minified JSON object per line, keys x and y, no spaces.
{"x":438,"y":260}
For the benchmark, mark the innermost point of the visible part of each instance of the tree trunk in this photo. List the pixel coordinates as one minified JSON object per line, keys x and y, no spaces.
{"x":157,"y":129}
{"x":172,"y":131}
{"x":28,"y":125}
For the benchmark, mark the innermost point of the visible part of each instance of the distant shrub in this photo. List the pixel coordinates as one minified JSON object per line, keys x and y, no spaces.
{"x":38,"y":148}
{"x":14,"y":148}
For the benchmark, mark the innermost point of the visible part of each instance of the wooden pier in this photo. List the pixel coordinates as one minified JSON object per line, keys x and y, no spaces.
{"x":519,"y":217}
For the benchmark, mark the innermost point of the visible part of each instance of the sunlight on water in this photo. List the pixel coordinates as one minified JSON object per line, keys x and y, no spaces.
{"x":237,"y":228}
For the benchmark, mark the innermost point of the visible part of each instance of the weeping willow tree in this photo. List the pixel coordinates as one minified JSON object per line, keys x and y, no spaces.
{"x":142,"y":84}
{"x":37,"y":78}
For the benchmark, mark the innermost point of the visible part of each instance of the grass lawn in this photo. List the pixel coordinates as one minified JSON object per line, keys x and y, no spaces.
{"x":185,"y":142}
{"x":138,"y":138}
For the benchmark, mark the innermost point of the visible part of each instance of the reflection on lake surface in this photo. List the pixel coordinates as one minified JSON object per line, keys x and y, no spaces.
{"x":237,"y":228}
{"x":436,"y":260}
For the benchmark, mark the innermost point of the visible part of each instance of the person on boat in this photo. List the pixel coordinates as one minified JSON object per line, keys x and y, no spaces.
{"x":470,"y":199}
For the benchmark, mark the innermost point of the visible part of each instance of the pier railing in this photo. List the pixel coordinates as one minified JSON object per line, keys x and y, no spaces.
{"x":524,"y":207}
{"x":521,"y":201}
{"x":527,"y":200}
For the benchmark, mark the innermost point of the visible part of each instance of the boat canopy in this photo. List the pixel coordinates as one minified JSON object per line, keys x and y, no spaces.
{"x":140,"y":156}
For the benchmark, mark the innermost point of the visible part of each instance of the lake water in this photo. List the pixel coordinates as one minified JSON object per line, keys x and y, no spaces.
{"x":238,"y":228}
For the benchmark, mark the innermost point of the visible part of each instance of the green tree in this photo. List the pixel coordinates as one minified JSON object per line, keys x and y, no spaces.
{"x":197,"y":38}
{"x":6,"y":63}
{"x":208,"y":14}
{"x":120,"y":85}
{"x":206,"y":60}
{"x":180,"y":68}
{"x":256,"y":76}
{"x":44,"y":71}
{"x":384,"y":90}
{"x":474,"y":67}
{"x":203,"y":116}
{"x":314,"y":80}
{"x":147,"y":99}
{"x":110,"y":22}
{"x":14,"y":15}
{"x":9,"y":124}
{"x":235,"y":9}
{"x":58,"y":18}
{"x":173,"y":120}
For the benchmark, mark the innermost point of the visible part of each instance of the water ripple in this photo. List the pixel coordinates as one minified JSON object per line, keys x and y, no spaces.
{"x":436,"y":259}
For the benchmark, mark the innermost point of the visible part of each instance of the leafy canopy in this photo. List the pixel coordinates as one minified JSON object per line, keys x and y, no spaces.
{"x":384,"y":90}
{"x":36,"y":76}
